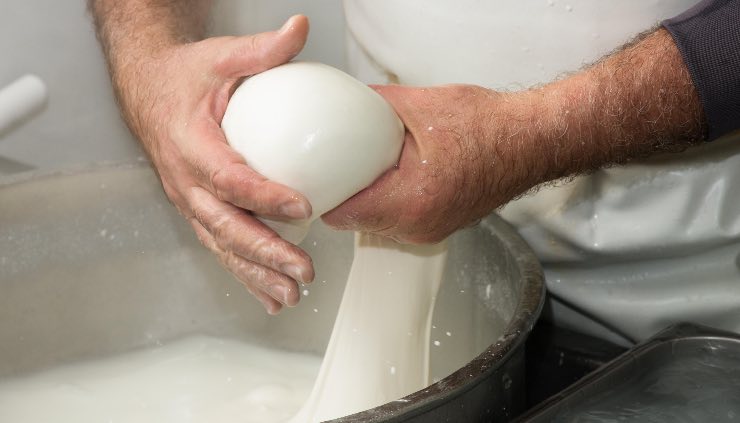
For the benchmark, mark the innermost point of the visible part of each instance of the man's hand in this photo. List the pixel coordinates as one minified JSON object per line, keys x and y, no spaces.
{"x":173,"y":94}
{"x":469,"y":150}
{"x":447,"y":174}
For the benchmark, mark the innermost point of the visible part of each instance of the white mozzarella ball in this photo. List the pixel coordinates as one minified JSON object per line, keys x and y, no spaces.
{"x":315,"y":129}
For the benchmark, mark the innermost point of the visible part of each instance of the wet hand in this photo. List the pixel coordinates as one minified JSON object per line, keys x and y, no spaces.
{"x":173,"y":102}
{"x":454,"y":168}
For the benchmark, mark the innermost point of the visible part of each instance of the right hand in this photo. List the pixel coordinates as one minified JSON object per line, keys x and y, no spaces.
{"x":173,"y":100}
{"x":458,"y":164}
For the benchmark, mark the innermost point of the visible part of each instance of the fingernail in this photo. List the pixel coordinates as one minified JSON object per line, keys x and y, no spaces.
{"x":287,"y":25}
{"x":280,"y":293}
{"x":272,"y":309}
{"x":295,"y":210}
{"x":295,"y":272}
{"x":269,"y":306}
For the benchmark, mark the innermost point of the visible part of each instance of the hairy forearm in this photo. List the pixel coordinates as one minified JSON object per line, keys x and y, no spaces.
{"x":633,"y":103}
{"x":141,"y":26}
{"x":133,"y":35}
{"x":133,"y":32}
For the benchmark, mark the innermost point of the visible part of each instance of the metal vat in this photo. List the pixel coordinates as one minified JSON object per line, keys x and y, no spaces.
{"x":96,"y":262}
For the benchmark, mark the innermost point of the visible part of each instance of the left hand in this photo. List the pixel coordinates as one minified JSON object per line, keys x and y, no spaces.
{"x":453,"y":168}
{"x":173,"y":99}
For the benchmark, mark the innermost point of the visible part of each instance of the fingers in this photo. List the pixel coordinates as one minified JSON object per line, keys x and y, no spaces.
{"x":208,"y":181}
{"x":267,"y":294}
{"x":223,"y":172}
{"x":402,"y":204}
{"x":219,"y":168}
{"x":369,"y":210}
{"x":253,"y":54}
{"x":238,"y":184}
{"x":237,"y":232}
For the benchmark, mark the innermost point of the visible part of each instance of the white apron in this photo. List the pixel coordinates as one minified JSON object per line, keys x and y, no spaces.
{"x":627,"y":251}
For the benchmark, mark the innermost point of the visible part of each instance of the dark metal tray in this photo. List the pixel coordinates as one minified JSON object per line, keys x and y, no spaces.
{"x":686,"y":373}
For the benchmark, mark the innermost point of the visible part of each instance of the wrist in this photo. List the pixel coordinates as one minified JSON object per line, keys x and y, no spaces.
{"x":139,"y":39}
{"x":567,"y":132}
{"x":572,"y":133}
{"x":520,"y":139}
{"x":635,"y":103}
{"x":144,"y":26}
{"x":135,"y":92}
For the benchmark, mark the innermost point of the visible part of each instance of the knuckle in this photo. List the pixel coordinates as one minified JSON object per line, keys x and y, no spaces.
{"x":251,"y":192}
{"x":260,"y":248}
{"x":264,"y":195}
{"x":175,"y":198}
{"x":254,"y":274}
{"x":222,"y":230}
{"x":247,"y":273}
{"x":268,"y":250}
{"x":231,"y":261}
{"x":222,"y":61}
{"x":172,"y":195}
{"x":200,"y":233}
{"x":253,"y":45}
{"x":219,"y":181}
{"x":198,"y":212}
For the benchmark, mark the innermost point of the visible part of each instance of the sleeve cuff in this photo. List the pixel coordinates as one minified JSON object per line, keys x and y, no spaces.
{"x":708,"y":37}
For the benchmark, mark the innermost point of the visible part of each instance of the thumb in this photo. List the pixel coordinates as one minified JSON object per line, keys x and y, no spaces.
{"x":251,"y":54}
{"x":408,"y":103}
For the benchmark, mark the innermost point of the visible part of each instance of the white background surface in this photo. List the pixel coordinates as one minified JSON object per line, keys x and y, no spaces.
{"x":80,"y":123}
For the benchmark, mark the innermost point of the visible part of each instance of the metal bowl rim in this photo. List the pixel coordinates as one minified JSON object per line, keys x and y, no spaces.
{"x":492,"y":359}
{"x":436,"y":394}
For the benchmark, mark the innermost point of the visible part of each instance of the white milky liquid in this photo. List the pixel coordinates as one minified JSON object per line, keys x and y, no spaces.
{"x":197,"y":379}
{"x":379,"y":348}
{"x":378,"y":352}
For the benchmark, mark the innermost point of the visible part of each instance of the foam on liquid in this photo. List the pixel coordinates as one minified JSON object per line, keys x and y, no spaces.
{"x":196,"y":379}
{"x":378,"y":352}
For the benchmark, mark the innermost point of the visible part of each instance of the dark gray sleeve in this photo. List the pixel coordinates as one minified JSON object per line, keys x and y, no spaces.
{"x":708,"y":37}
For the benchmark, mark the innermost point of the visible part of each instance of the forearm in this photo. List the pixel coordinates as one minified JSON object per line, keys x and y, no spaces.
{"x":134,"y":35}
{"x":173,"y":88}
{"x":631,"y":104}
{"x":131,"y":27}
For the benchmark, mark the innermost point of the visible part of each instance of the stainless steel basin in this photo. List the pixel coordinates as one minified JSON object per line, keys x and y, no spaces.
{"x":96,"y":262}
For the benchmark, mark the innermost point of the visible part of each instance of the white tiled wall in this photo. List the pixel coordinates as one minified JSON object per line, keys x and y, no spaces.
{"x":80,"y":123}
